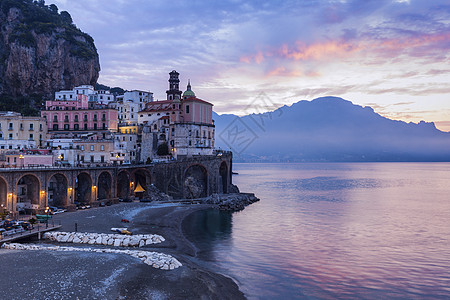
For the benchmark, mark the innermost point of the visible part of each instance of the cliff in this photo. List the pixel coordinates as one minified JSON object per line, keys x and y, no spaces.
{"x":42,"y":51}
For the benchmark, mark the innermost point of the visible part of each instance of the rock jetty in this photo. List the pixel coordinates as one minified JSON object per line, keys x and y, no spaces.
{"x":231,"y":202}
{"x":107,"y":239}
{"x":154,"y":259}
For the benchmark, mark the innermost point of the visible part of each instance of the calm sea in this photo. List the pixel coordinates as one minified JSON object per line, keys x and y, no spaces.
{"x":341,"y":230}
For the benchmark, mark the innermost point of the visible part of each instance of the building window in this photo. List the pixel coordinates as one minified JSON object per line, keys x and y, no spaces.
{"x":10,"y":136}
{"x":187,"y":109}
{"x":76,"y":126}
{"x":85,"y":127}
{"x":102,"y":147}
{"x":66,"y":118}
{"x":104,"y":117}
{"x":66,"y":126}
{"x":31,"y":136}
{"x":131,"y":139}
{"x":85,"y":118}
{"x":95,"y":117}
{"x":92,"y":158}
{"x":31,"y":126}
{"x":104,"y":126}
{"x":82,"y":158}
{"x":102,"y":158}
{"x":40,"y":127}
{"x":76,"y":118}
{"x":1,"y":136}
{"x":82,"y":147}
{"x":55,"y":126}
{"x":55,"y":118}
{"x":92,"y":147}
{"x":95,"y":126}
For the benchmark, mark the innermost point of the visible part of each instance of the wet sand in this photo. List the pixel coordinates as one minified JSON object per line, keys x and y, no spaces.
{"x":72,"y":275}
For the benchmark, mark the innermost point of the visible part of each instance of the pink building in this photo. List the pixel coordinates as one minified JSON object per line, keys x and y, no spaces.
{"x":81,"y":102}
{"x":80,"y":119}
{"x":190,"y":130}
{"x":195,"y":110}
{"x":18,"y":160}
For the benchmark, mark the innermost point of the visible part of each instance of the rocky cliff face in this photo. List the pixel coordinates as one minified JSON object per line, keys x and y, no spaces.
{"x":41,"y":51}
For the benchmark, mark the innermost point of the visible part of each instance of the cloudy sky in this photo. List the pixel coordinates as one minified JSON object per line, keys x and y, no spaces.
{"x":392,"y":55}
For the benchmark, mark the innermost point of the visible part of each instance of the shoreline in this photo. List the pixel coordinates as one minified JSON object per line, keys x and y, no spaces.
{"x":125,"y":280}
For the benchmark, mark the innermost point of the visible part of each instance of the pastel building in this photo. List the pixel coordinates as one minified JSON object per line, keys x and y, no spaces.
{"x":80,"y":120}
{"x":78,"y":102}
{"x":22,"y":160}
{"x":183,"y":121}
{"x":19,"y":132}
{"x":141,"y":98}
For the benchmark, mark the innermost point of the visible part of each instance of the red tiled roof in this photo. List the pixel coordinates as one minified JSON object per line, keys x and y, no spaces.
{"x":195,"y":99}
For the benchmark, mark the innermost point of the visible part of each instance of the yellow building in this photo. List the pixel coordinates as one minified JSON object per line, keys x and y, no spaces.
{"x":19,"y":132}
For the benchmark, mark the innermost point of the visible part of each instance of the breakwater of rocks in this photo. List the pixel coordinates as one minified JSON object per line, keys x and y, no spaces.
{"x":107,"y":239}
{"x":154,"y":259}
{"x":231,"y":202}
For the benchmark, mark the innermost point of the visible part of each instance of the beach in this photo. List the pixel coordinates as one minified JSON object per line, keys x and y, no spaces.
{"x":85,"y":275}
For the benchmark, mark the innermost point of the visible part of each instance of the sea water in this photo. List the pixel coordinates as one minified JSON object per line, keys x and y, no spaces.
{"x":334,"y":231}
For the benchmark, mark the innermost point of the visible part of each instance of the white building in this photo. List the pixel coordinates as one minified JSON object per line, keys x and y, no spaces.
{"x":127,"y":111}
{"x":136,"y":96}
{"x":101,"y":96}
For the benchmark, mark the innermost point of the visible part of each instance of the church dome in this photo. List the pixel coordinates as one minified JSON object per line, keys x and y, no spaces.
{"x":188,"y":93}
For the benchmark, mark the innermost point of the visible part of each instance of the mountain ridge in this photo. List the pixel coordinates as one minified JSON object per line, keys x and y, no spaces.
{"x":331,"y":129}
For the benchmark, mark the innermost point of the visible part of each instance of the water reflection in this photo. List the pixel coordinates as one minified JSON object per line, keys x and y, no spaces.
{"x":372,"y":231}
{"x":207,"y":229}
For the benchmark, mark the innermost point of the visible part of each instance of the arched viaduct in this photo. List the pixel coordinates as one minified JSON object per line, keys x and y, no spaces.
{"x":36,"y":188}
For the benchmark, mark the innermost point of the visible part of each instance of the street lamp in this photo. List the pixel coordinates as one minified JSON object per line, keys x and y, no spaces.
{"x":47,"y":210}
{"x":21,"y":159}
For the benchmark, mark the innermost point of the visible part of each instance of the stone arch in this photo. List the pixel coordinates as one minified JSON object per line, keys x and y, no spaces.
{"x":123,"y":184}
{"x":224,"y":176}
{"x":3,"y":193}
{"x":140,"y":177}
{"x":195,"y":182}
{"x":28,"y":193}
{"x":57,"y":190}
{"x":83,"y":188}
{"x":104,"y":183}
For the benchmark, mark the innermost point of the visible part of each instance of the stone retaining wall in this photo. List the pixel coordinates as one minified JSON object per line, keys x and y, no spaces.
{"x":138,"y":240}
{"x":154,"y":259}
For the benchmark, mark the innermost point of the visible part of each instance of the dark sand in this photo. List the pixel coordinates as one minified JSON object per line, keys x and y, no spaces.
{"x":82,"y":275}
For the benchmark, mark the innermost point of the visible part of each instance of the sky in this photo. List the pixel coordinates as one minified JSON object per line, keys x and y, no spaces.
{"x":392,"y":55}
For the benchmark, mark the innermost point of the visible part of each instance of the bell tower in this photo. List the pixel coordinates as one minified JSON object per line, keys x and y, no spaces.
{"x":174,"y":92}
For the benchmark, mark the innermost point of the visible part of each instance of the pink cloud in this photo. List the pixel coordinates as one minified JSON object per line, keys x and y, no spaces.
{"x":282,"y":71}
{"x":339,"y":48}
